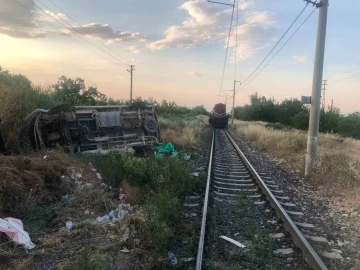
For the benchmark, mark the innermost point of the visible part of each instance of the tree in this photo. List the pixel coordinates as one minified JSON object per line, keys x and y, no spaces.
{"x":287,"y":109}
{"x":74,"y":92}
{"x":350,"y":125}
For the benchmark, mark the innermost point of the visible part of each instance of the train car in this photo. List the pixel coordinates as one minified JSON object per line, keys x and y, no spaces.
{"x":218,"y":116}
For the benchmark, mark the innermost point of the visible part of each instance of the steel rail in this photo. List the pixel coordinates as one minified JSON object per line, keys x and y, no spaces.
{"x":299,"y":239}
{"x":199,"y":258}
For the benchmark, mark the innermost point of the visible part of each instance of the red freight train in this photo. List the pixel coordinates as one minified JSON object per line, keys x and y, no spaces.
{"x":218,"y":116}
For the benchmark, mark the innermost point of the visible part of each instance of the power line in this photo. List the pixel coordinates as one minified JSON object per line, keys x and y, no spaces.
{"x":67,"y":35}
{"x":287,"y":41}
{"x":227,"y":47}
{"x":89,"y":41}
{"x":346,"y":78}
{"x":277,"y":43}
{"x":84,"y":29}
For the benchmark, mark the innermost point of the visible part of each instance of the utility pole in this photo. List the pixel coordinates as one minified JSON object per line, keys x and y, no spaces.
{"x":233,"y":106}
{"x":131,"y":80}
{"x":311,"y":152}
{"x":332,"y":103}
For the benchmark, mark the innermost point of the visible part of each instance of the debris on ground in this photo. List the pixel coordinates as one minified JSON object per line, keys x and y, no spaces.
{"x":14,"y":229}
{"x":169,"y":148}
{"x":232,"y":241}
{"x":172,"y":258}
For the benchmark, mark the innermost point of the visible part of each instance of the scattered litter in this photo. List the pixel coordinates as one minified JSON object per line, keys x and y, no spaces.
{"x":100,"y":219}
{"x":126,"y":234}
{"x":121,"y":195}
{"x":232,"y":241}
{"x":284,"y":251}
{"x":45,"y":157}
{"x":104,"y":186}
{"x":170,"y":149}
{"x":14,"y":229}
{"x":277,"y":235}
{"x":87,"y":212}
{"x":68,"y":198}
{"x":69,"y":225}
{"x":112,"y":214}
{"x":196,"y":174}
{"x":188,"y":259}
{"x":172,"y":258}
{"x":125,"y":250}
{"x":98,"y":175}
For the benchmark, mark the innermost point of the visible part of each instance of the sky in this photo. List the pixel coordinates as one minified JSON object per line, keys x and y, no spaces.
{"x":178,"y":47}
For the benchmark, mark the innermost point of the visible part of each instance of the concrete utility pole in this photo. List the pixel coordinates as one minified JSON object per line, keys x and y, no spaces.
{"x":311,"y":153}
{"x":332,"y":103}
{"x":131,"y":80}
{"x":233,"y":106}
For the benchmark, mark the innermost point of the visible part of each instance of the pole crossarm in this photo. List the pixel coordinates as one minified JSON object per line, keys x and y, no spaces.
{"x":314,"y":3}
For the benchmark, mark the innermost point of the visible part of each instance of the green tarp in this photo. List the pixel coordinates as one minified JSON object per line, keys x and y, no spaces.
{"x":170,"y":149}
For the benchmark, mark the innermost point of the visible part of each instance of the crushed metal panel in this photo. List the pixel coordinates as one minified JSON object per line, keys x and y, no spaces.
{"x":90,"y":128}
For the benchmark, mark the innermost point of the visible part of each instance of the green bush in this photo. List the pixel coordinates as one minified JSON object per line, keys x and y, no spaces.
{"x":350,"y":125}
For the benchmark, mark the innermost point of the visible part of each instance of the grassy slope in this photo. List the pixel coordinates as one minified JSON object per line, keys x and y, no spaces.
{"x":337,"y":172}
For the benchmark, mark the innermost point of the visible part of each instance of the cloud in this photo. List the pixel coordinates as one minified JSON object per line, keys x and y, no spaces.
{"x":198,"y":28}
{"x":49,"y":16}
{"x":196,"y":74}
{"x":133,"y":49}
{"x":105,"y":32}
{"x":264,"y":17}
{"x":18,"y":20}
{"x":209,"y":23}
{"x":300,"y":58}
{"x":256,"y":33}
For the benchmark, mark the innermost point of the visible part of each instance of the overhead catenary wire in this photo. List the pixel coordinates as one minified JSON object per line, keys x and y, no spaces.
{"x":274,"y":47}
{"x":89,"y":41}
{"x":343,"y":79}
{"x":85,"y":30}
{"x":287,"y":41}
{"x":227,"y":47}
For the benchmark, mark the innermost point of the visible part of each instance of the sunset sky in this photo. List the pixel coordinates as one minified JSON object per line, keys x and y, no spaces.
{"x":178,"y":47}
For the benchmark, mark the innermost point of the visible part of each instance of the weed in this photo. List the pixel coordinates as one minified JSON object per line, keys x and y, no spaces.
{"x":337,"y":170}
{"x":93,"y":260}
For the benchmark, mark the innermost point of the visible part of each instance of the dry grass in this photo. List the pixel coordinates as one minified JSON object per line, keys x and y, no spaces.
{"x":337,"y":171}
{"x":184,"y":134}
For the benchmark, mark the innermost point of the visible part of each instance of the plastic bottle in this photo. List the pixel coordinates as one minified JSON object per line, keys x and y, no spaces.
{"x":172,"y":258}
{"x":111,"y":214}
{"x":100,"y":219}
{"x":69,"y":225}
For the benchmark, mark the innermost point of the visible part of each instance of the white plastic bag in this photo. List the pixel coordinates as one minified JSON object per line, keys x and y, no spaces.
{"x":14,"y":229}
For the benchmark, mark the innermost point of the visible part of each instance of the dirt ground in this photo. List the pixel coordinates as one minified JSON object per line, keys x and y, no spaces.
{"x":32,"y":189}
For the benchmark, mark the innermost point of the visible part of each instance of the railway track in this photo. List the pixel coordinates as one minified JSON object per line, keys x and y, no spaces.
{"x":234,"y":185}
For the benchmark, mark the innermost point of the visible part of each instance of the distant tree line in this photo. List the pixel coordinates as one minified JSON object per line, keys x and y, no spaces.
{"x":292,"y":113}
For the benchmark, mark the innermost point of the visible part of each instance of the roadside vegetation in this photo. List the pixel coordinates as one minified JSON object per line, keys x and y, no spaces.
{"x":337,"y":172}
{"x":32,"y":188}
{"x":292,"y":113}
